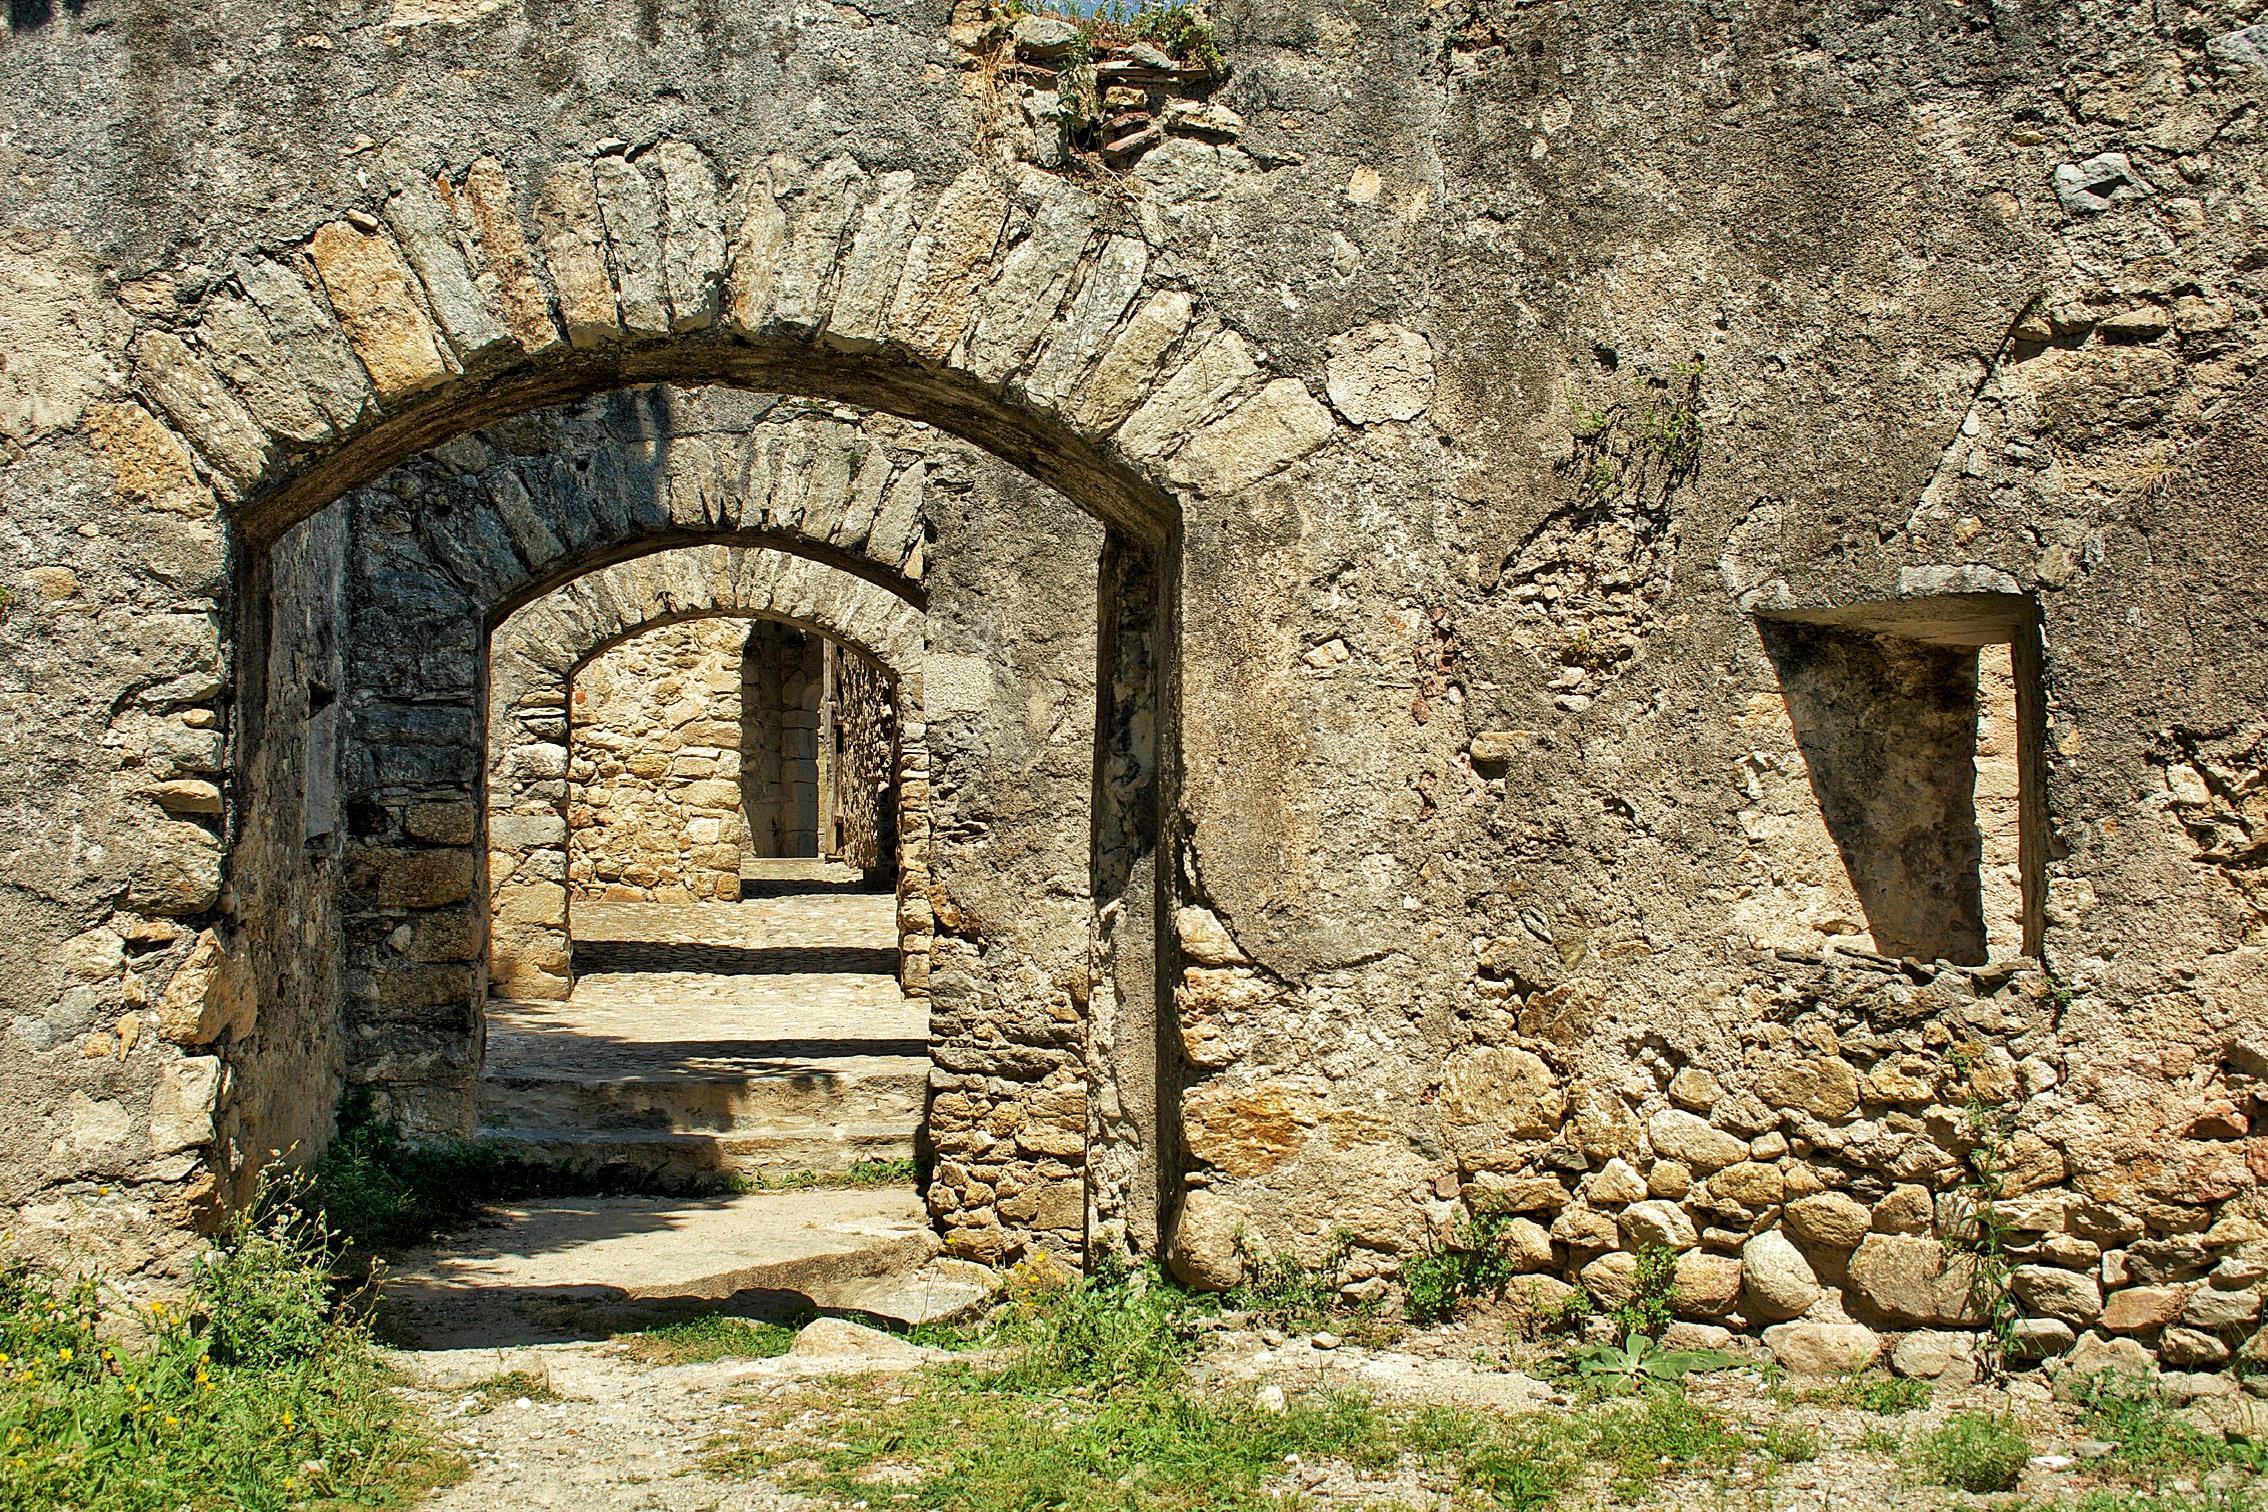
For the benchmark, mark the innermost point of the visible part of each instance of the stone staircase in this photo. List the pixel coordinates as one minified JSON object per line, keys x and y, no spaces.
{"x":759,"y":1038}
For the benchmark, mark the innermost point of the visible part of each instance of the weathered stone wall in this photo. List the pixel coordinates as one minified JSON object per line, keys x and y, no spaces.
{"x":1465,"y":575}
{"x":783,"y":678}
{"x":1010,"y":708}
{"x":864,"y":765}
{"x":653,"y":772}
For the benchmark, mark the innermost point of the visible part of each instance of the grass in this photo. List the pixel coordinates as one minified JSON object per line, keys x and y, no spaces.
{"x":258,"y":1394}
{"x":1884,"y":1396}
{"x":863,"y":1176}
{"x":712,"y":1336}
{"x":511,"y":1386}
{"x":2153,"y":1444}
{"x":1973,"y":1451}
{"x":1086,"y":1406}
{"x":379,"y":1193}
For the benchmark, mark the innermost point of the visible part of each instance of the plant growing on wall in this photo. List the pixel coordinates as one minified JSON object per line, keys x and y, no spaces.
{"x":1979,"y":1234}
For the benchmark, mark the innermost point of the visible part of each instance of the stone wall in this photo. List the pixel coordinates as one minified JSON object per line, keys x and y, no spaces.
{"x":864,"y":766}
{"x":1475,"y":403}
{"x":654,"y":767}
{"x":1010,"y":710}
{"x":783,"y":676}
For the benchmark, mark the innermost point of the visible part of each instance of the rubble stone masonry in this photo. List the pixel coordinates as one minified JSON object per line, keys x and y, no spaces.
{"x":1640,"y":618}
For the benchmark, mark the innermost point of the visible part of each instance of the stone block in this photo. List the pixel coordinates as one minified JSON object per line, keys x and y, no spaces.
{"x":2093,"y":1354}
{"x":572,"y":235}
{"x":2143,"y":1309}
{"x":2192,"y":1349}
{"x":372,"y":290}
{"x":181,"y":875}
{"x":1931,"y":1355}
{"x":1823,"y":1349}
{"x":1380,"y":373}
{"x":1780,"y":1283}
{"x":1259,"y":438}
{"x":1824,"y":1087}
{"x":1657,"y":1223}
{"x":1248,"y":1130}
{"x":1686,"y":1138}
{"x":1751,"y":1184}
{"x":487,"y":202}
{"x":2075,"y":1298}
{"x":1708,"y":1286}
{"x":1830,"y":1220}
{"x":1612,"y":1278}
{"x":428,"y":236}
{"x":207,"y":412}
{"x":2213,"y":1309}
{"x":181,"y":1110}
{"x":1204,"y":1253}
{"x":1914,"y":1282}
{"x":414,"y":878}
{"x":1492,"y":1095}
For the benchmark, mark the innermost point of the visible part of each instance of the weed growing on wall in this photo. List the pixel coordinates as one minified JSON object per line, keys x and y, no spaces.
{"x":1651,"y":1306}
{"x":256,"y":1393}
{"x":1280,"y":1288}
{"x":1980,"y":1236}
{"x":1475,"y":1262}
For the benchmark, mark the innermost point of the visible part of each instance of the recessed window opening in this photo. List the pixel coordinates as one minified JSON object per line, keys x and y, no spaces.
{"x":1918,"y":723}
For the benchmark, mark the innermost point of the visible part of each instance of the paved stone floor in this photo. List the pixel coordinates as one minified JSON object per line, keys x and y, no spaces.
{"x":718,"y":987}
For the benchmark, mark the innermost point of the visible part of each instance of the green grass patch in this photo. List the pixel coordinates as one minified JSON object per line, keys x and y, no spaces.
{"x":712,"y":1336}
{"x":862,"y":1176}
{"x":1973,"y":1451}
{"x":1884,"y":1396}
{"x":511,"y":1386}
{"x":2154,"y":1445}
{"x":1089,"y":1409}
{"x":258,"y":1394}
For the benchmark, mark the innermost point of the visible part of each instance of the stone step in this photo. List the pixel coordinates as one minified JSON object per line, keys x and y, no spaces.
{"x":811,"y":1095}
{"x":694,"y":1159}
{"x":569,"y":1268}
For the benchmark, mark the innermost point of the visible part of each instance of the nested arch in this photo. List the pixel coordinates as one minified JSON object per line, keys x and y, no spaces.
{"x":1007,"y":307}
{"x":534,"y":659}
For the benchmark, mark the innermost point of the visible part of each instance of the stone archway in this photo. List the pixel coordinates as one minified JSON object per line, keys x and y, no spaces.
{"x":534,"y":657}
{"x":1004,"y":306}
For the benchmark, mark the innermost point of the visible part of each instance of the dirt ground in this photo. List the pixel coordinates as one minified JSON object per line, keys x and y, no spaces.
{"x":590,"y":1426}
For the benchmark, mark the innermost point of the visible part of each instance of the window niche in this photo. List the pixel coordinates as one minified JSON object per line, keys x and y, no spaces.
{"x":1919,"y":722}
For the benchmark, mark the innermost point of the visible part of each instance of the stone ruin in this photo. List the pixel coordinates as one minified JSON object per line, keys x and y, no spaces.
{"x":1642,"y":620}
